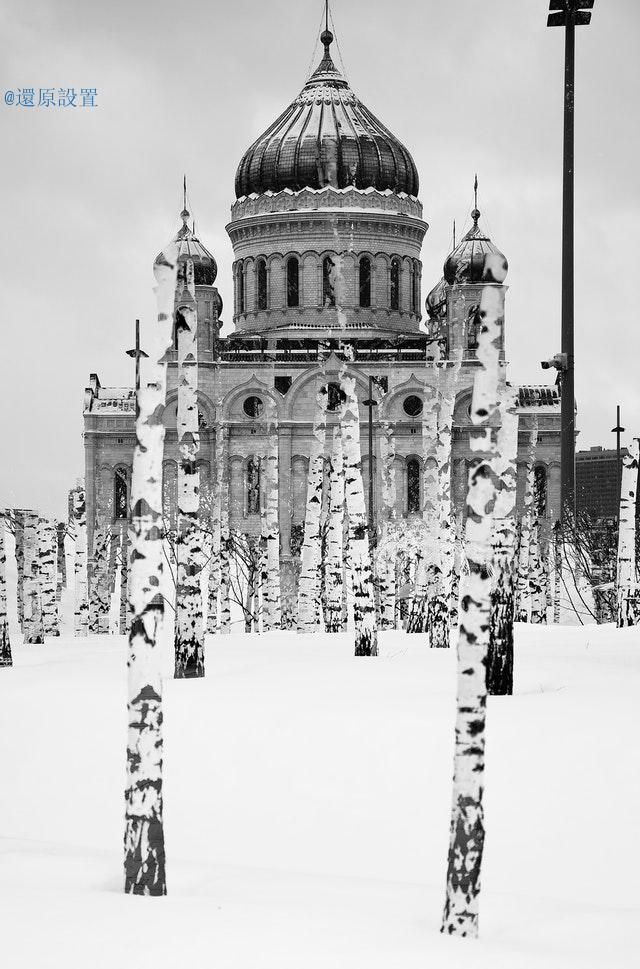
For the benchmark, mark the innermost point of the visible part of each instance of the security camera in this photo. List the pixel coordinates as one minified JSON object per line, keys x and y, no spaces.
{"x":559,"y":362}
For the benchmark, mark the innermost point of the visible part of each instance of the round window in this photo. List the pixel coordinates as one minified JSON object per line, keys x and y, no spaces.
{"x":412,"y":405}
{"x":253,"y":407}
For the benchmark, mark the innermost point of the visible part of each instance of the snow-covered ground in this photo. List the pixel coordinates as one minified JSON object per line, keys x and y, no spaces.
{"x":307,"y":798}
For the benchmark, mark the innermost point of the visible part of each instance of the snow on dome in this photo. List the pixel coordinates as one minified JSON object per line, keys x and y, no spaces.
{"x":476,"y":259}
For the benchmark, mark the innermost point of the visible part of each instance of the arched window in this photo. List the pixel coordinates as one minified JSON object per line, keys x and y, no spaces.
{"x":394,"y":288}
{"x":121,"y":494}
{"x":293,"y":282}
{"x":253,"y":486}
{"x":473,"y":327}
{"x":540,"y":490}
{"x":415,"y":288}
{"x":328,"y":292}
{"x":241,"y":287}
{"x":413,"y":485}
{"x":365,"y":281}
{"x":261,"y":284}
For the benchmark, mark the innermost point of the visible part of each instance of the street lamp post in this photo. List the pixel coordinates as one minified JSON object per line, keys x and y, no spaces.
{"x":617,"y":430}
{"x":568,"y":14}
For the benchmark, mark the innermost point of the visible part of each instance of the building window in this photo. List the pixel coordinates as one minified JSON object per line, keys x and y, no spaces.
{"x":473,"y":327}
{"x":394,"y":289}
{"x":328,"y":292}
{"x":540,"y":490}
{"x":365,"y":281}
{"x":293,"y":282}
{"x":241,"y":288}
{"x":412,"y":405}
{"x":334,"y":396}
{"x":121,"y":494}
{"x":413,"y":485}
{"x":415,"y":288}
{"x":261,"y":284}
{"x":253,"y":486}
{"x":253,"y":407}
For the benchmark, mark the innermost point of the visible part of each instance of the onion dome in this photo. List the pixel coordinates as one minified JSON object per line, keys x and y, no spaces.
{"x":436,"y":301}
{"x":475,"y":259}
{"x":205,"y":268}
{"x":326,"y":137}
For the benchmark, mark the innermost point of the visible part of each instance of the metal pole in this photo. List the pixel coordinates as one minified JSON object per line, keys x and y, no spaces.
{"x":568,"y":437}
{"x":137,"y":355}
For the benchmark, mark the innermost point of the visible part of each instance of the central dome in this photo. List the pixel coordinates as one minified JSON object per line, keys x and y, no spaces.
{"x":326,"y":137}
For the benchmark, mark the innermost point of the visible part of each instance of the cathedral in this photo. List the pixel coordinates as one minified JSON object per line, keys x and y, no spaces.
{"x":327,"y":229}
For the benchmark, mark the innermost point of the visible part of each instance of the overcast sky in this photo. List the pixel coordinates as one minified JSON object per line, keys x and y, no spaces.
{"x":89,"y":195}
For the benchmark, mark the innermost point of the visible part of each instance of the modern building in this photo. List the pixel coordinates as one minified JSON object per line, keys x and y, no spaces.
{"x":327,"y":229}
{"x":597,"y":482}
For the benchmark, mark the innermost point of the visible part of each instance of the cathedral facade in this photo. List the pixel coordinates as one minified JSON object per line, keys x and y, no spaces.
{"x":327,"y":230}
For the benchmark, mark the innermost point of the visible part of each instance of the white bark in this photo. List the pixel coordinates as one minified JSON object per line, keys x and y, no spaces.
{"x":272,"y":617}
{"x":225,"y":563}
{"x":504,"y":542}
{"x":334,"y":564}
{"x":144,"y":857}
{"x":627,"y":589}
{"x":523,"y":595}
{"x":386,"y":553}
{"x":309,"y":584}
{"x":19,"y":542}
{"x":364,"y":606}
{"x":81,"y":611}
{"x":216,"y":531}
{"x":48,"y":569}
{"x":189,"y":627}
{"x":33,"y":628}
{"x":5,"y":642}
{"x":467,"y":828}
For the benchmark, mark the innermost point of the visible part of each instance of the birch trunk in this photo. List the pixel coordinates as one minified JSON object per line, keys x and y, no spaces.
{"x":309,"y":585}
{"x":189,"y":629}
{"x":523,"y":595}
{"x":364,"y":606}
{"x":500,"y":656}
{"x":48,"y":570}
{"x":81,"y":611}
{"x":124,"y":577}
{"x":627,"y":590}
{"x":225,"y":563}
{"x":557,"y":572}
{"x":19,"y":540}
{"x":335,"y":558}
{"x":537,"y":580}
{"x":428,"y":550}
{"x":144,"y":855}
{"x":440,"y":609}
{"x":5,"y":642}
{"x":388,"y":543}
{"x":216,"y":531}
{"x":467,"y":823}
{"x":33,"y":629}
{"x":272,"y":618}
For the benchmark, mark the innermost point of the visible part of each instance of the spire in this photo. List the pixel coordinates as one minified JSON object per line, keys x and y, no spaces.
{"x":475,"y":215}
{"x":184,"y":215}
{"x":326,"y":70}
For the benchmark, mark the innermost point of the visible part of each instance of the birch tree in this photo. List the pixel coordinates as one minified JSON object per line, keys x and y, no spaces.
{"x":5,"y":641}
{"x":81,"y":609}
{"x":48,"y":552}
{"x":124,"y":579}
{"x":309,"y":584}
{"x":189,"y":630}
{"x":467,"y":821}
{"x":33,"y":629}
{"x":537,"y":576}
{"x":627,"y":589}
{"x":523,"y":594}
{"x":360,"y":567}
{"x":225,"y":536}
{"x":500,"y":655}
{"x":444,"y":526}
{"x":144,"y":854}
{"x":387,"y":548}
{"x":272,"y":618}
{"x":334,"y":565}
{"x":215,"y":572}
{"x":18,"y":519}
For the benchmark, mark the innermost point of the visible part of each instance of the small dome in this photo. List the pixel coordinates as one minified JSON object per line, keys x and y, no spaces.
{"x":475,"y":259}
{"x":205,"y":268}
{"x":326,"y":137}
{"x":436,"y":301}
